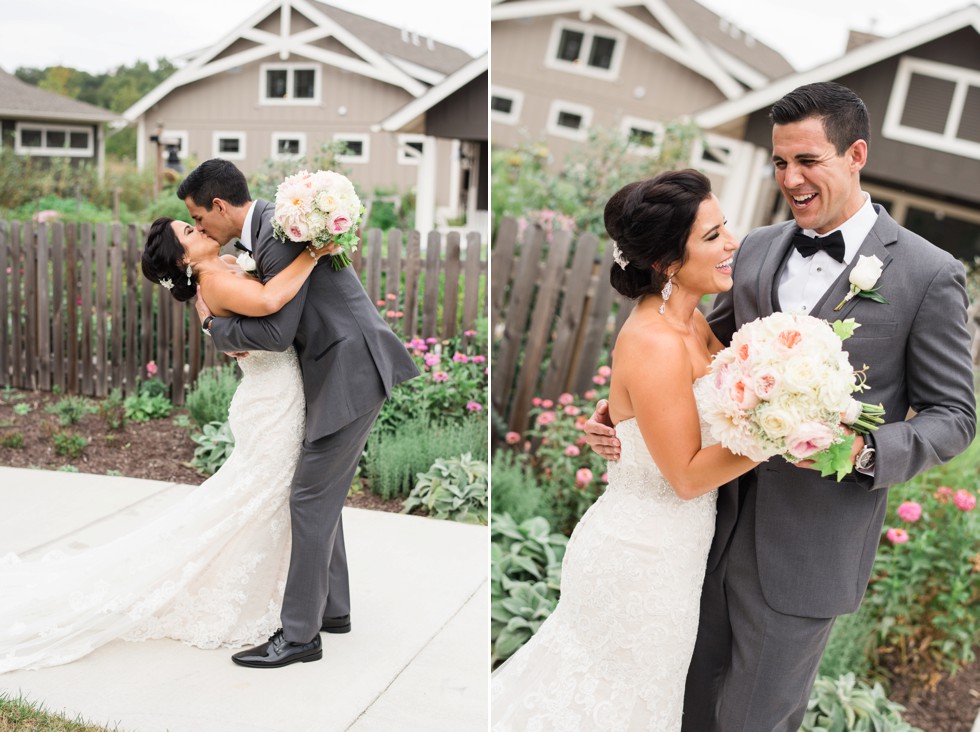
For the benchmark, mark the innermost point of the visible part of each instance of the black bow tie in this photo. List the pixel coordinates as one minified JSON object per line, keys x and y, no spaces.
{"x":239,"y":245}
{"x":833,"y":244}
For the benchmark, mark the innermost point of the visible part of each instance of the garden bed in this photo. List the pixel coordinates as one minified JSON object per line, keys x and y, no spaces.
{"x":951,"y":707}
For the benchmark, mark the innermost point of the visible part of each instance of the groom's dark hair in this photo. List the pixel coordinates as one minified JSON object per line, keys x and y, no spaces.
{"x":215,"y":178}
{"x":845,"y":118}
{"x":650,"y":221}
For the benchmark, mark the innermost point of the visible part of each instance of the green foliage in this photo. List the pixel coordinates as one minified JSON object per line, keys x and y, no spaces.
{"x":850,"y":646}
{"x":71,"y":409}
{"x":14,"y":440}
{"x":845,"y":705}
{"x":515,"y":489}
{"x":9,"y":394}
{"x":215,"y":444}
{"x":150,"y":403}
{"x":210,"y":398}
{"x":264,"y":182}
{"x":453,"y":488}
{"x":113,"y":410}
{"x":69,"y":444}
{"x":525,"y":575}
{"x":526,"y":179}
{"x":394,"y":458}
{"x":68,"y":469}
{"x":22,"y":409}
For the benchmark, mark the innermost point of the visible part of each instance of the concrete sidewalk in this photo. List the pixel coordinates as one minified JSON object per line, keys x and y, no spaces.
{"x":417,"y":658}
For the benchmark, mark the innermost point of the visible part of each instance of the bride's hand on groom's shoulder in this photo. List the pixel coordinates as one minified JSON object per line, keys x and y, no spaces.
{"x":600,"y":433}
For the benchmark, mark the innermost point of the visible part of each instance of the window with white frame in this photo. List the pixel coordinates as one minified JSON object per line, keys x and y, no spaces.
{"x":935,"y":105}
{"x":410,"y":148}
{"x":567,"y":119}
{"x":713,"y":153}
{"x":586,"y":49}
{"x":228,"y":145}
{"x":62,"y":140}
{"x":505,"y":105}
{"x":287,"y":145}
{"x":645,"y":136}
{"x":294,"y":83}
{"x":358,"y":147}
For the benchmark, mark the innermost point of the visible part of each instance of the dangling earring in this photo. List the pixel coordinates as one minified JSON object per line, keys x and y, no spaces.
{"x":189,"y":273}
{"x":665,"y":294}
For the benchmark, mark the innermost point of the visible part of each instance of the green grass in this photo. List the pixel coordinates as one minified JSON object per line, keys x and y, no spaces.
{"x":20,"y":715}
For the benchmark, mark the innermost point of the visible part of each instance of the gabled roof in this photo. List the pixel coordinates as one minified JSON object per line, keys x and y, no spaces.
{"x":377,"y":50}
{"x":859,"y":58}
{"x":24,"y":101}
{"x":692,"y":35}
{"x":452,"y":83}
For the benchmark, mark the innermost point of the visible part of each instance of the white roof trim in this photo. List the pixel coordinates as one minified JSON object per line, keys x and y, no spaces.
{"x":740,"y":70}
{"x":681,"y":45}
{"x":373,"y":65}
{"x":452,"y":83}
{"x":859,"y":58}
{"x":428,"y":76}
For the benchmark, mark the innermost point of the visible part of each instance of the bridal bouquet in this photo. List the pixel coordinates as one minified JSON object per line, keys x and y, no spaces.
{"x":321,"y":208}
{"x":783,"y":387}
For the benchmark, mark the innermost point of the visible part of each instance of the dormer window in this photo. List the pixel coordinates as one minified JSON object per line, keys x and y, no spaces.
{"x":586,"y":49}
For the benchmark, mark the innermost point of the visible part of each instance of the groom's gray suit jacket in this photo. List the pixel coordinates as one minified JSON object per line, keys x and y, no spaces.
{"x":349,"y":357}
{"x":816,"y":538}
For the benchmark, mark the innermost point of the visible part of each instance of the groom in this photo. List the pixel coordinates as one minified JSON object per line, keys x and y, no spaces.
{"x":793,"y":550}
{"x":350,"y":361}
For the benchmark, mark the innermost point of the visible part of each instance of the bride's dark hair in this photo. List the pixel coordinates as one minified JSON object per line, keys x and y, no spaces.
{"x":162,"y":257}
{"x":650,"y":221}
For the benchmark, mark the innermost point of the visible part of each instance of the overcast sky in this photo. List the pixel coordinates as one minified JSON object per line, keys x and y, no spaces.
{"x":97,"y":37}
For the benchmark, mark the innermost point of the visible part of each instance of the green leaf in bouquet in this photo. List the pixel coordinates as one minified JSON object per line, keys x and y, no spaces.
{"x":844,"y":329}
{"x":835,"y":459}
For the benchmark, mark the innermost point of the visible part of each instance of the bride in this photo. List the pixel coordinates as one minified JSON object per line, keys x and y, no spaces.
{"x":210,"y":570}
{"x":614,"y":653}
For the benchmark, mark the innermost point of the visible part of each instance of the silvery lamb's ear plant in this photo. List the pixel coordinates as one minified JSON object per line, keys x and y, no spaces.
{"x":453,"y":488}
{"x":846,"y":705}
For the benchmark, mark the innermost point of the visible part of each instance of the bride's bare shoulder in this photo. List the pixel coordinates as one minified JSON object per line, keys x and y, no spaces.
{"x":643,"y":339}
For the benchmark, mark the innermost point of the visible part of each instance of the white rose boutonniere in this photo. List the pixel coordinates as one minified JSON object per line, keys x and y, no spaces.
{"x":246,"y":262}
{"x":863,"y":279}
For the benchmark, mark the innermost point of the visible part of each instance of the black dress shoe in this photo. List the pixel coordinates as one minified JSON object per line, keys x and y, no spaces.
{"x":336,"y":625}
{"x":279,"y":652}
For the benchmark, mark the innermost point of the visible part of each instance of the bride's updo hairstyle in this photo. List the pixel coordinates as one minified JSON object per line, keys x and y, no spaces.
{"x":161,"y":260}
{"x":650,"y":221}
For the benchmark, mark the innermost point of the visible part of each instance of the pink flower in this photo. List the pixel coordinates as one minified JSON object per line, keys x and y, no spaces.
{"x":460,"y":357}
{"x":808,"y":439}
{"x":787,"y":340}
{"x":910,"y":511}
{"x":582,"y":441}
{"x":765,"y":384}
{"x":536,"y":401}
{"x":151,"y":368}
{"x":391,"y":296}
{"x":590,"y":394}
{"x":340,"y":224}
{"x":478,"y":359}
{"x":605,"y":478}
{"x":583,"y":476}
{"x":572,"y":451}
{"x":430,"y":340}
{"x":566,"y":399}
{"x":469,"y":333}
{"x":390,"y":313}
{"x":512,"y":438}
{"x":598,"y":380}
{"x":964,"y":500}
{"x":380,"y":303}
{"x":580,"y":422}
{"x":399,"y":314}
{"x":546,"y":418}
{"x":897,"y":536}
{"x":547,"y":403}
{"x":572,"y":411}
{"x":440,"y":376}
{"x":431,"y":359}
{"x":743,"y":395}
{"x":943,"y":493}
{"x":604,"y":371}
{"x":474,"y":406}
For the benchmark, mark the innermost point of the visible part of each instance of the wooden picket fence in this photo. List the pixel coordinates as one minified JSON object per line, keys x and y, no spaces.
{"x":76,"y":314}
{"x":554,"y":315}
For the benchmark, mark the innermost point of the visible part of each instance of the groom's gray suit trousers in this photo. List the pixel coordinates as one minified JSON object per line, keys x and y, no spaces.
{"x":758,"y":668}
{"x":317,"y":586}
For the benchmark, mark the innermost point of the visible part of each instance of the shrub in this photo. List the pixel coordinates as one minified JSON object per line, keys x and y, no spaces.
{"x":14,"y":440}
{"x":453,"y":488}
{"x":393,"y":459}
{"x":113,"y":411}
{"x":515,"y":489}
{"x":215,"y":444}
{"x":211,"y":396}
{"x":845,"y":705}
{"x":150,"y":403}
{"x":71,"y":409}
{"x":22,"y":409}
{"x":69,"y":444}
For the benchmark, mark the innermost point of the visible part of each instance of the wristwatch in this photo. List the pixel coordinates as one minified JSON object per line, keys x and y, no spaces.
{"x":865,"y":460}
{"x":206,"y":325}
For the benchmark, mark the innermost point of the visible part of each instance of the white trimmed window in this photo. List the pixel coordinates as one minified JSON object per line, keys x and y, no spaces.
{"x":287,"y":145}
{"x":358,"y":147}
{"x":936,"y":106}
{"x":410,"y":148}
{"x":228,"y":145}
{"x":61,"y":140}
{"x":505,"y":105}
{"x":645,"y":136}
{"x":295,"y":83}
{"x":713,"y":153}
{"x":567,"y":119}
{"x":585,"y":49}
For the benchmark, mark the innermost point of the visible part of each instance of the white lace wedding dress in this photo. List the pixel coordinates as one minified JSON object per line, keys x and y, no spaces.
{"x":614,"y":653}
{"x":209,"y":571}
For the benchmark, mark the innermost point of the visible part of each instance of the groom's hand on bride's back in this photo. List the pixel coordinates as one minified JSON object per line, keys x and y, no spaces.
{"x":600,"y":433}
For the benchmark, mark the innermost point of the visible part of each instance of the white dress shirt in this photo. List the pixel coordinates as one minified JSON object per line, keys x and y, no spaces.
{"x":805,"y":279}
{"x":246,"y":237}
